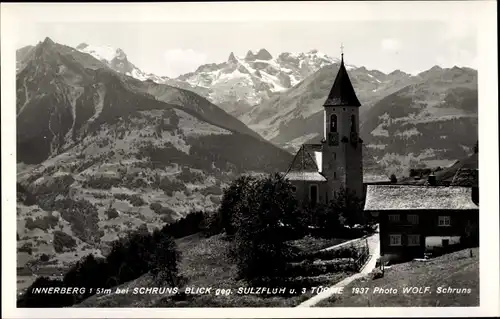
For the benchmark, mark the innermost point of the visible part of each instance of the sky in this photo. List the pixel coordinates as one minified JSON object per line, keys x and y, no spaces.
{"x":173,"y":48}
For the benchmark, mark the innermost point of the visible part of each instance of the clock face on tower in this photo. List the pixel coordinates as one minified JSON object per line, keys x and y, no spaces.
{"x":333,"y":138}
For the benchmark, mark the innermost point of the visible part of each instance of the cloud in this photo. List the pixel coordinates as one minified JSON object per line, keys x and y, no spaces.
{"x":459,"y":29}
{"x":390,"y":45}
{"x":180,"y":61}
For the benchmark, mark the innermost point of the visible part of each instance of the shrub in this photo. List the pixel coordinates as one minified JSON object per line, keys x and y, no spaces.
{"x":135,"y":200}
{"x":56,"y":185}
{"x":169,"y":187}
{"x":62,"y":241}
{"x":164,"y":260}
{"x":394,"y":179}
{"x":160,"y":210}
{"x":348,"y":207}
{"x":112,"y":213}
{"x":83,"y":217}
{"x":43,"y":223}
{"x":167,"y":219}
{"x":192,"y":223}
{"x":27,"y":248}
{"x":190,"y":177}
{"x":101,"y":182}
{"x":211,"y":190}
{"x":155,"y":207}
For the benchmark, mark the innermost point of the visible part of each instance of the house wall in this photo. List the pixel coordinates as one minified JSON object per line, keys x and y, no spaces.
{"x":302,"y":190}
{"x":437,"y":241}
{"x":427,"y":227}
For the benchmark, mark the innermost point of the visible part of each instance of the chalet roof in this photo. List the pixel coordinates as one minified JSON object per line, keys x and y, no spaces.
{"x":342,"y":92}
{"x":406,"y":197}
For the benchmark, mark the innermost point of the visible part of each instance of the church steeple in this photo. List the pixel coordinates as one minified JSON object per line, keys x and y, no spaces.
{"x":342,"y":92}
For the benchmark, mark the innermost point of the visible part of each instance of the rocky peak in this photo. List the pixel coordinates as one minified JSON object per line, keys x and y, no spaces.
{"x":120,"y":54}
{"x":47,"y":41}
{"x":263,"y":54}
{"x":232,"y":58}
{"x":397,"y":72}
{"x":250,"y":56}
{"x":45,"y":47}
{"x":82,"y":46}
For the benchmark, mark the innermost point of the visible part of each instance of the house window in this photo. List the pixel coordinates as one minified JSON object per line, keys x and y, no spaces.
{"x":413,"y":240}
{"x":334,"y":175}
{"x":334,"y":155}
{"x":394,"y":218}
{"x":353,"y":123}
{"x":333,"y":123}
{"x":394,"y":240}
{"x":313,"y":194}
{"x":294,"y":189}
{"x":413,"y":219}
{"x":444,"y":221}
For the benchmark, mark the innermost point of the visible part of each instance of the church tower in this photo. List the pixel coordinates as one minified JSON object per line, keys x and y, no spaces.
{"x":342,"y":149}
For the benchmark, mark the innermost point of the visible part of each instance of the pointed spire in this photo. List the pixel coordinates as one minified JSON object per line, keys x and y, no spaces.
{"x":342,"y":53}
{"x":342,"y":92}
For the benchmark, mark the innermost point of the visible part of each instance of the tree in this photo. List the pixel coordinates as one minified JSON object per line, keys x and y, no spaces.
{"x":348,"y":207}
{"x":232,"y":200}
{"x":62,"y":240}
{"x":326,"y":218}
{"x":393,"y":179}
{"x":164,"y":260}
{"x":265,"y":210}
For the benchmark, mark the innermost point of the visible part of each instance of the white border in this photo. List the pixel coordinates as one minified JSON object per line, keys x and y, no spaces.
{"x":483,"y":12}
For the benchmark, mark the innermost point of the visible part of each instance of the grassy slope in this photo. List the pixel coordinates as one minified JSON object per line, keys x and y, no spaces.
{"x":205,"y":264}
{"x":456,"y":270}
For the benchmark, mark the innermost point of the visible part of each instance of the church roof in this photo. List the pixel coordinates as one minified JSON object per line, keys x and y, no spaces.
{"x":307,"y":164}
{"x":305,"y":176}
{"x":342,"y":92}
{"x":306,"y":160}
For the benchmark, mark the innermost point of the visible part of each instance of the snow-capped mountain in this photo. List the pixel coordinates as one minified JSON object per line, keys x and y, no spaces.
{"x":241,"y":82}
{"x":117,"y":60}
{"x":85,"y":131}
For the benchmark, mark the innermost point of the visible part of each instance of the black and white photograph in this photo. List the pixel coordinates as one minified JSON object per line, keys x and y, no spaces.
{"x":267,"y":155}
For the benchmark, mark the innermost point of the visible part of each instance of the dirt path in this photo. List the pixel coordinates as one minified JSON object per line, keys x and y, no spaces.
{"x":374,"y":248}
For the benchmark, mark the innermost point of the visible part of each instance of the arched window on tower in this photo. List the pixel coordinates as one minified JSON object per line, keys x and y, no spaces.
{"x":353,"y":123}
{"x":333,"y":123}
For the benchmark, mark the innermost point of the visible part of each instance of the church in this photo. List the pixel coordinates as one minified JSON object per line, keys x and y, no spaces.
{"x":318,"y":171}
